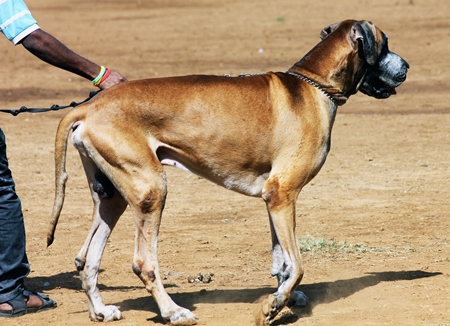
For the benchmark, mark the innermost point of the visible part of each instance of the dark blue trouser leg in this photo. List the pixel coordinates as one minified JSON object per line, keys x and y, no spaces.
{"x":14,"y":265}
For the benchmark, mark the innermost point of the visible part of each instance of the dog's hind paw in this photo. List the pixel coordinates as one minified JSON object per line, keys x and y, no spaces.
{"x":183,"y":317}
{"x":108,"y":313}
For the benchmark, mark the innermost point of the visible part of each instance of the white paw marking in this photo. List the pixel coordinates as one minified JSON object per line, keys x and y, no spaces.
{"x":109,"y":313}
{"x":183,"y":317}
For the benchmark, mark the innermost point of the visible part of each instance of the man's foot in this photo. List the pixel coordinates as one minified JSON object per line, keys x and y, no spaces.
{"x":26,"y":302}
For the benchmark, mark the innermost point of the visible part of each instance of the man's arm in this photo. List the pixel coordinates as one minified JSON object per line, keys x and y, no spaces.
{"x":49,"y":49}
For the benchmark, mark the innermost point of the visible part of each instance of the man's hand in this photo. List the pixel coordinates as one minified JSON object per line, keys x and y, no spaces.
{"x":113,"y":78}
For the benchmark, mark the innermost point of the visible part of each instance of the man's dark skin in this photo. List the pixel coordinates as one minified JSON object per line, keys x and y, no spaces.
{"x":49,"y":49}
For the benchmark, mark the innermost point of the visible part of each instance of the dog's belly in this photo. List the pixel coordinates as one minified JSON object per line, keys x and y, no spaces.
{"x":244,"y":182}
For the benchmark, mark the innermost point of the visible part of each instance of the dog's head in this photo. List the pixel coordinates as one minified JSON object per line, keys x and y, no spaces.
{"x":385,"y":69}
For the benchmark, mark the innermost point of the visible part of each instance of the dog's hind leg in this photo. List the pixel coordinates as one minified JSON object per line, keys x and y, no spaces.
{"x":147,"y":206}
{"x":108,"y":207}
{"x":139,"y":176}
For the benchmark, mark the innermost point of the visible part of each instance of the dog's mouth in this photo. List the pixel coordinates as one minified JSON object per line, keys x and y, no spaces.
{"x":375,"y":87}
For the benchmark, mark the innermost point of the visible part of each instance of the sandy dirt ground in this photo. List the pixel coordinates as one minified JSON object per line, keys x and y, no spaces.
{"x":380,"y":205}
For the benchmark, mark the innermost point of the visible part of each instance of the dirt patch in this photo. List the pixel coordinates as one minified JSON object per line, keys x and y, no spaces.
{"x":383,"y":191}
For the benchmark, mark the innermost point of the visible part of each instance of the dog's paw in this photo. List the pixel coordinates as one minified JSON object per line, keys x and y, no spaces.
{"x":299,"y":299}
{"x":260,"y":318}
{"x":108,"y":313}
{"x":183,"y":317}
{"x":267,"y":311}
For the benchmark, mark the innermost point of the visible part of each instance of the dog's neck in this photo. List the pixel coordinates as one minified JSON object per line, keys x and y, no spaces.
{"x":313,"y":83}
{"x":338,"y":96}
{"x":338,"y":83}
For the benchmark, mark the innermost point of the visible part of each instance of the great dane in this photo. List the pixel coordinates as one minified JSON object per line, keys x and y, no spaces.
{"x":264,"y":135}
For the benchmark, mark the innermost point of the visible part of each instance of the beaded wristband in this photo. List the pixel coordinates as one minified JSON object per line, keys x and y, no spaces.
{"x":97,"y":79}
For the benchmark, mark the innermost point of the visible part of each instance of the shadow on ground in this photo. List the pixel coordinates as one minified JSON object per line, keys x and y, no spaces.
{"x":318,"y":293}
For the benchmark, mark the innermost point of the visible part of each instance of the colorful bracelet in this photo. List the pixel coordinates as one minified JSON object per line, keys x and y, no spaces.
{"x":98,"y":79}
{"x":106,"y":75}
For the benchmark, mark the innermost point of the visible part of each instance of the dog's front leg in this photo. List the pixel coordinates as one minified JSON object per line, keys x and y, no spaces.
{"x":287,"y":265}
{"x":298,"y":298}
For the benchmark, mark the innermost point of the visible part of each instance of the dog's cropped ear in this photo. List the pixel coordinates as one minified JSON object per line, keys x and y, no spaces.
{"x":363,"y":35}
{"x":328,"y":30}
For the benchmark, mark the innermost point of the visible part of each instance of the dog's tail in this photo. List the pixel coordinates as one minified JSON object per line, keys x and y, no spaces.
{"x":67,"y":124}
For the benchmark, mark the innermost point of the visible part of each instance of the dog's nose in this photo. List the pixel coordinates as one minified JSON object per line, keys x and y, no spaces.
{"x":400,"y":78}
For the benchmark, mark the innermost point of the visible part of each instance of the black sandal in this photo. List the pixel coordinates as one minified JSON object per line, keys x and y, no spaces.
{"x":19,"y":304}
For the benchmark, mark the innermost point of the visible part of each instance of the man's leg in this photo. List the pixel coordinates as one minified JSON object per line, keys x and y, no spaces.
{"x":14,"y":265}
{"x":15,"y":300}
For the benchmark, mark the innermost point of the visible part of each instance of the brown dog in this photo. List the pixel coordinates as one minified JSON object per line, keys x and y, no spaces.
{"x":265,"y":135}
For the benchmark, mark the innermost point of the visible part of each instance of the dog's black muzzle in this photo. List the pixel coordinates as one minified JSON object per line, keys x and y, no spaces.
{"x":384,"y":76}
